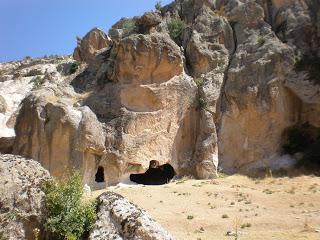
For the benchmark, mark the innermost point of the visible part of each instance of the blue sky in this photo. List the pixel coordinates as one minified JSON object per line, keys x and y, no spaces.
{"x":43,"y":27}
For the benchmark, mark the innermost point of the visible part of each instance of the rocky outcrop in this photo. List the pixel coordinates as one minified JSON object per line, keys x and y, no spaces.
{"x":222,"y":93}
{"x":17,"y":80}
{"x":21,"y":200}
{"x":51,"y":129}
{"x":91,"y":43}
{"x":120,"y":219}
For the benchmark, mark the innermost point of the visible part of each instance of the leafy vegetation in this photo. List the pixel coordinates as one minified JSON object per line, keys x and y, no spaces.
{"x":199,"y":81}
{"x":128,"y":26}
{"x":202,"y":104}
{"x":311,"y":64}
{"x":261,"y":41}
{"x":37,"y":82}
{"x":176,"y":27}
{"x":158,"y":5}
{"x":2,"y":237}
{"x":68,"y":216}
{"x":74,"y":67}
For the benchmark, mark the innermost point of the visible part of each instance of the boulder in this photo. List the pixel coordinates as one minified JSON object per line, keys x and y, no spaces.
{"x":91,"y":43}
{"x":21,"y":200}
{"x":120,"y":219}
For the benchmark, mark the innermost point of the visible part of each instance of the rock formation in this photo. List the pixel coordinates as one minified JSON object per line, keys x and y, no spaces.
{"x":88,"y":47}
{"x":21,"y":199}
{"x":17,"y":80}
{"x":224,"y":92}
{"x":120,"y":219}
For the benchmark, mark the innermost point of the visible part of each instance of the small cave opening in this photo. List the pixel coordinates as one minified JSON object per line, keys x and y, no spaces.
{"x":303,"y":143}
{"x":156,"y":174}
{"x":99,"y":178}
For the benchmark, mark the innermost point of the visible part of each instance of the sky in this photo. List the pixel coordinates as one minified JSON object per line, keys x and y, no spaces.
{"x":43,"y":27}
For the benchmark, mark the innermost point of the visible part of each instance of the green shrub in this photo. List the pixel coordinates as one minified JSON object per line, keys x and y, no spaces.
{"x":199,"y":81}
{"x":2,"y":237}
{"x":158,"y":5}
{"x":261,"y":41}
{"x":74,"y":67}
{"x":68,"y":216}
{"x":311,"y":64}
{"x":176,"y":27}
{"x":37,"y":82}
{"x":128,"y":26}
{"x":202,"y":104}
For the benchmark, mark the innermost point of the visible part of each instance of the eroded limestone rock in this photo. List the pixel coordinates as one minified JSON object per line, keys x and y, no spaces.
{"x":119,"y":219}
{"x":21,"y":198}
{"x":91,"y":43}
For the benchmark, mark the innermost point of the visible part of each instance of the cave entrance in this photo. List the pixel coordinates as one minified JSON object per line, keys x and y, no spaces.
{"x":156,"y":174}
{"x":99,"y":178}
{"x":303,"y":143}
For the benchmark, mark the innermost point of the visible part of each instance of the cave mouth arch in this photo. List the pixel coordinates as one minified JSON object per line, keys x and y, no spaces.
{"x":99,"y":177}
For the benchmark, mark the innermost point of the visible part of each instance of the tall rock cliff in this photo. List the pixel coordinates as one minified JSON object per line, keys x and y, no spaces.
{"x":198,"y":84}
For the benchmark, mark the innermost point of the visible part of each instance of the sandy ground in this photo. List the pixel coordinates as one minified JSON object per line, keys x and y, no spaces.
{"x":269,"y":208}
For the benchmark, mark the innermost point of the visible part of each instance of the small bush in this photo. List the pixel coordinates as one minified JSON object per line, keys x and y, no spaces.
{"x":246,"y":225}
{"x":190,"y":217}
{"x":202,"y":104}
{"x":37,"y":82}
{"x":311,"y":64}
{"x":261,"y":41}
{"x":68,"y":216}
{"x":74,"y":67}
{"x":199,"y":81}
{"x":2,"y":237}
{"x":158,"y":5}
{"x":225,"y":216}
{"x":128,"y":26}
{"x":176,"y":27}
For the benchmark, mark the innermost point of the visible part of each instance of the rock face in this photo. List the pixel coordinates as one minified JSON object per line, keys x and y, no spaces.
{"x":17,"y":80}
{"x":223,"y":93}
{"x":50,"y":129}
{"x":88,"y":46}
{"x":21,"y":200}
{"x":120,"y":219}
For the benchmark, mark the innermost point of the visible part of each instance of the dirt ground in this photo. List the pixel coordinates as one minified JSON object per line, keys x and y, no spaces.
{"x":269,"y":208}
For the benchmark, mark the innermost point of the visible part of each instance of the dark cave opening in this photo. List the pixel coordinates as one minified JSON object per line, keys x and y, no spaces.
{"x":156,"y":174}
{"x":100,"y":175}
{"x":305,"y":140}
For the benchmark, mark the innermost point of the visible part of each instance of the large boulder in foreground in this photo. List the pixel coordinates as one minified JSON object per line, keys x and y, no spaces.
{"x":21,"y":198}
{"x":120,"y":219}
{"x":88,"y":47}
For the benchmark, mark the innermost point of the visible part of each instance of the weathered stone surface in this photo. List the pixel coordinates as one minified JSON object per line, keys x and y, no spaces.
{"x":21,"y":198}
{"x":259,"y":102}
{"x":145,"y":101}
{"x":225,"y":93}
{"x":50,"y":130}
{"x":19,"y":78}
{"x":147,"y":59}
{"x":91,"y":43}
{"x":120,"y":219}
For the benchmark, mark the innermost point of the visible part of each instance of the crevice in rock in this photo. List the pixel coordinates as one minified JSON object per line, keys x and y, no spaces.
{"x":223,"y":95}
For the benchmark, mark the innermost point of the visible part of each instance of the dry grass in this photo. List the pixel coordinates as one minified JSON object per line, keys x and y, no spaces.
{"x":254,"y":212}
